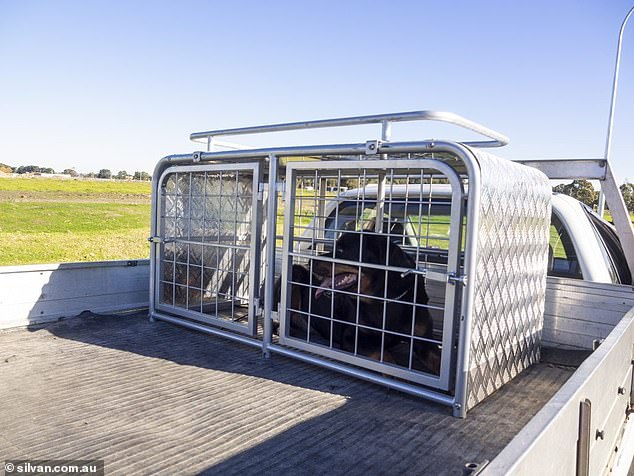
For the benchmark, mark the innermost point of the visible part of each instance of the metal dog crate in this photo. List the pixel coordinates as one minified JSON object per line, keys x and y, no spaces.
{"x":443,"y":219}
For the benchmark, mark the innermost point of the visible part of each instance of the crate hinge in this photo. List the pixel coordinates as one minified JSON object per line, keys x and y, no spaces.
{"x":457,"y":279}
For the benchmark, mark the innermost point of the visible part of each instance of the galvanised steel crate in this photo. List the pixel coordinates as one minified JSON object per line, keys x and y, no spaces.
{"x":416,"y":265}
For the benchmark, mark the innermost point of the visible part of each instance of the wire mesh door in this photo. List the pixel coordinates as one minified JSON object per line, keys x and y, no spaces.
{"x":209,"y":245}
{"x":370,"y":256}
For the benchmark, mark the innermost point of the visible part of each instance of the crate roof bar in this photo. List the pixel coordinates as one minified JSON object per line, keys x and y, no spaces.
{"x":497,"y":139}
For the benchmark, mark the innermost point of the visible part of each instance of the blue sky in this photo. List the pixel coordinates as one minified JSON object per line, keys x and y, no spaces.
{"x":118,"y":84}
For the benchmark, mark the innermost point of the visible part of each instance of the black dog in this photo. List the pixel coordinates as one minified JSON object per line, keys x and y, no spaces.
{"x":364,"y":309}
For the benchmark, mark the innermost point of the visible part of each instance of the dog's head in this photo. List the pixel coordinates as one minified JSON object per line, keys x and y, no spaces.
{"x":361,"y":250}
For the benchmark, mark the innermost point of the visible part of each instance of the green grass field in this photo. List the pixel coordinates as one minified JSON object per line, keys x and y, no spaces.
{"x":81,"y":188}
{"x":52,"y":221}
{"x":46,"y":220}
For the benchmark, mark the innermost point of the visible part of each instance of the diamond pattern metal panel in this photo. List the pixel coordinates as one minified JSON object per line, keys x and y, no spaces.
{"x":208,"y":228}
{"x":510,"y":275}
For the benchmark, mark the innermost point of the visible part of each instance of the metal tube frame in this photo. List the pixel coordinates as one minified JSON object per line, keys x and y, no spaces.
{"x":444,"y":379}
{"x":386,"y":133}
{"x":271,"y":225}
{"x":615,"y":82}
{"x":155,"y":269}
{"x":609,"y":187}
{"x":458,"y":401}
{"x":561,"y":169}
{"x":498,"y":140}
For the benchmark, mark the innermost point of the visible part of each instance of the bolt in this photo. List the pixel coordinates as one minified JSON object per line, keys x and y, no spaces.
{"x":599,"y":434}
{"x":621,"y":391}
{"x":470,"y":468}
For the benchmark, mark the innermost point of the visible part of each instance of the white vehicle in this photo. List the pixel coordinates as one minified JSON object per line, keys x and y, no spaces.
{"x":582,"y":245}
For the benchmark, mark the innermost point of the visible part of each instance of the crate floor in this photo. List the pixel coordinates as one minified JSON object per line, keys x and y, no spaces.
{"x":154,"y":398}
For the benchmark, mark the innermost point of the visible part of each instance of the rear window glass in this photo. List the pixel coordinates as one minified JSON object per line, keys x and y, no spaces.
{"x":562,"y":257}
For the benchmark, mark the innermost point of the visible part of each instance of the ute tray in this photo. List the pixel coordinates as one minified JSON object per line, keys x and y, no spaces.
{"x":155,"y":398}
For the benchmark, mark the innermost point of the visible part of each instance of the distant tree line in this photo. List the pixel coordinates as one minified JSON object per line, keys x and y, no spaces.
{"x":102,"y":174}
{"x":33,"y":169}
{"x":583,"y":191}
{"x":627,"y":190}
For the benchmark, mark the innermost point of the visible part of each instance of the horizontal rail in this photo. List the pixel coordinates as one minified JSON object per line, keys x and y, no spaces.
{"x":562,"y":169}
{"x":207,"y":329}
{"x":404,"y":387}
{"x":215,"y":244}
{"x":498,"y":140}
{"x":340,"y":151}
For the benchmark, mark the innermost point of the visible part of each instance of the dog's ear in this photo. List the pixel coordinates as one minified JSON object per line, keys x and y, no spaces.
{"x":382,"y":247}
{"x":347,"y":246}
